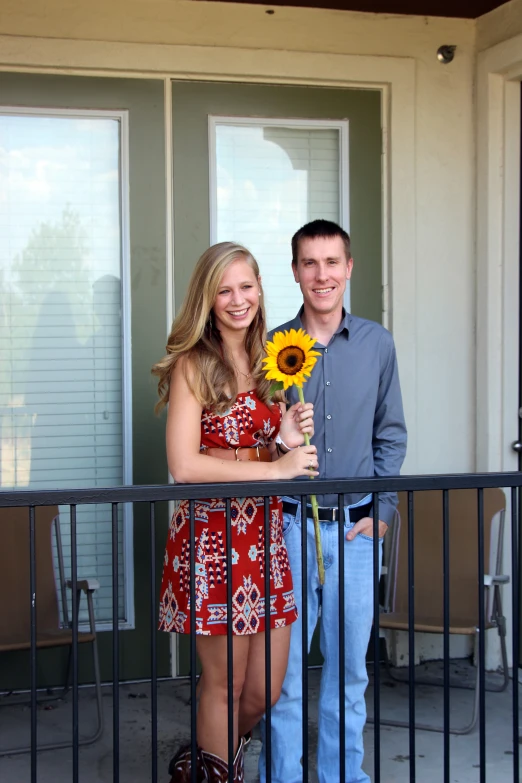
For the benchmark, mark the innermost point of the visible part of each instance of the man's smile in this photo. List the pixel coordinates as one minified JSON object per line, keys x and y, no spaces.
{"x":323,"y":291}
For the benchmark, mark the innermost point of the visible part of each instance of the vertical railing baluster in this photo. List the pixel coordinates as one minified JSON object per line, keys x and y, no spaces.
{"x":115,"y":650}
{"x":230,"y":651}
{"x":376,"y":643}
{"x":33,"y":599}
{"x":515,"y":594}
{"x":481,"y":640}
{"x":446,"y":643}
{"x":342,"y":670}
{"x":74,"y":612}
{"x":411,"y":634}
{"x":193,"y":659}
{"x":304,"y":638}
{"x":153,"y":662}
{"x":268,"y":657}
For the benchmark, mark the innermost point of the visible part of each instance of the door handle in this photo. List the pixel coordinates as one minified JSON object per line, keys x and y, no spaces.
{"x":517,"y":446}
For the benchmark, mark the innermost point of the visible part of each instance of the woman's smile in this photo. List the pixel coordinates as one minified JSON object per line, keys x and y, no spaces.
{"x":237,"y":299}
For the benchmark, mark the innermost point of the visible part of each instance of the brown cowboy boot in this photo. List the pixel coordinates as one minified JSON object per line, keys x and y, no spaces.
{"x":181,"y":769}
{"x":217,"y":769}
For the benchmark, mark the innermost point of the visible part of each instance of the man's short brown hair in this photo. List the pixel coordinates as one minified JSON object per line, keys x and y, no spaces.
{"x":320,"y":228}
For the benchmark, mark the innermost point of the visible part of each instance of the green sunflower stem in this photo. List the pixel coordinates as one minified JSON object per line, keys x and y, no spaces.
{"x":315,"y":511}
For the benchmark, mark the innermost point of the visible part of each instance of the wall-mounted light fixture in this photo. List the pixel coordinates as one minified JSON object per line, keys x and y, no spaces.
{"x":445,"y":53}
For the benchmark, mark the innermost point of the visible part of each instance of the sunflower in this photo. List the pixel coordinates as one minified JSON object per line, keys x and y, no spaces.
{"x":289,"y":360}
{"x":290,"y":357}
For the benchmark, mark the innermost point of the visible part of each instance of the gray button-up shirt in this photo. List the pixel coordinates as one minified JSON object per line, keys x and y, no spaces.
{"x":358,"y":415}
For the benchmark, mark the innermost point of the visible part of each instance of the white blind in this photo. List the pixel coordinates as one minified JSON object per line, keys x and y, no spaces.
{"x":61,"y":333}
{"x":268,"y":181}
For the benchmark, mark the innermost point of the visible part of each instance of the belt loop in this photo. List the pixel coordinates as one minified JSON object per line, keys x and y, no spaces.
{"x":237,"y":455}
{"x":257,"y":452}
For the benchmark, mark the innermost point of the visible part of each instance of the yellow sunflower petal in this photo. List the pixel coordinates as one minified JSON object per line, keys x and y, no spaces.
{"x":279,"y":340}
{"x":290,"y":358}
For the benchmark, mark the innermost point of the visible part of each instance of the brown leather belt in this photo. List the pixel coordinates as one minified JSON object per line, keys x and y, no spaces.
{"x":253,"y":454}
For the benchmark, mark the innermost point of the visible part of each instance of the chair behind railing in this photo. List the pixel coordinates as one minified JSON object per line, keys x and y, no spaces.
{"x":15,"y":606}
{"x":428,"y":528}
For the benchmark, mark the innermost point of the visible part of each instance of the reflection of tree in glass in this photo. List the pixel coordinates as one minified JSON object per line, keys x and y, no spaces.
{"x":9,"y":304}
{"x":55,"y":256}
{"x":45,"y":304}
{"x":52,"y":388}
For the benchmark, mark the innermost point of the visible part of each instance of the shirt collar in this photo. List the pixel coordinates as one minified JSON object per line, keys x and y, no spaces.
{"x":344,"y":326}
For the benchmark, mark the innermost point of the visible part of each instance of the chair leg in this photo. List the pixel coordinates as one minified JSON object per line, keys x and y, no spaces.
{"x":86,"y":740}
{"x":99,"y":705}
{"x":97,"y":677}
{"x":466,"y":729}
{"x":503,"y":651}
{"x":500,"y":622}
{"x":437,"y":729}
{"x":68,"y":673}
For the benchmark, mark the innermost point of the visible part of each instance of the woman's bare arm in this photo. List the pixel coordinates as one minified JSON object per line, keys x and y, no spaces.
{"x":188,"y":465}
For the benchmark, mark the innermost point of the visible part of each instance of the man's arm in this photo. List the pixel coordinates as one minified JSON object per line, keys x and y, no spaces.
{"x":389,"y":428}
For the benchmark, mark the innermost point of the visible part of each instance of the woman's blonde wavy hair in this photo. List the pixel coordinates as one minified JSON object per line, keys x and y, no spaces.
{"x":212,"y":379}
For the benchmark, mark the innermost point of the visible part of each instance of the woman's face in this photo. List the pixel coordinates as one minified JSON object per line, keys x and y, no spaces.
{"x":237,"y":300}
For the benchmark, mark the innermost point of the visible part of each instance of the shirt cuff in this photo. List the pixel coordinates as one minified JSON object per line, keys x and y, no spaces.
{"x":386,"y":513}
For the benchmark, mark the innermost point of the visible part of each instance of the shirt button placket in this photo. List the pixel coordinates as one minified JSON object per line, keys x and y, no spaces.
{"x":329,"y":415}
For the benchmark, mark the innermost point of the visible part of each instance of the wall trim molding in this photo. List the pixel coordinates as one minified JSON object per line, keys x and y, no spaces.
{"x":499,"y":72}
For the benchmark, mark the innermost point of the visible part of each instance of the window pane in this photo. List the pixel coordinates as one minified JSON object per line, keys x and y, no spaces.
{"x":270,"y":180}
{"x":60,"y":319}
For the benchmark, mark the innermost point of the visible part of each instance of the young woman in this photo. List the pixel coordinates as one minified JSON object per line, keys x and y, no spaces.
{"x":223,"y":426}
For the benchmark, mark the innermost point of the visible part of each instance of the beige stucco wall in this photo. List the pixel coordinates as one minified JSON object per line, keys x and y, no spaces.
{"x":499,"y":25}
{"x":227,"y":24}
{"x":442,"y":315}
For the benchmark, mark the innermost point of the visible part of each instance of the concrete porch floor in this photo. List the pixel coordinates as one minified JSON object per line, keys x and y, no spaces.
{"x":54,"y":720}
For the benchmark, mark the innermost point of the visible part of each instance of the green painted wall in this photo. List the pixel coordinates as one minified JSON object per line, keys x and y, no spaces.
{"x":144,"y":100}
{"x":193,"y":102}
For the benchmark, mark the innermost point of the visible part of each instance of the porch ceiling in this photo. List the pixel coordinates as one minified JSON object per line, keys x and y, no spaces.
{"x":465,"y":9}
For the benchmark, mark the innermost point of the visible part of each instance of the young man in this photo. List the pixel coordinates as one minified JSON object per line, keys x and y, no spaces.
{"x":359,"y":431}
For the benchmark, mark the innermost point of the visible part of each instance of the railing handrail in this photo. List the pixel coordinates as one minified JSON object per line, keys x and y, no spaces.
{"x":137,"y":493}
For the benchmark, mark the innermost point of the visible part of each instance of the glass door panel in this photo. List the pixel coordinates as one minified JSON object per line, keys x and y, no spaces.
{"x":268,"y":178}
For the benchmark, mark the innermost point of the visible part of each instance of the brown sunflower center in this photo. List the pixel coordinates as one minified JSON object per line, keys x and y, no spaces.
{"x":290,"y":360}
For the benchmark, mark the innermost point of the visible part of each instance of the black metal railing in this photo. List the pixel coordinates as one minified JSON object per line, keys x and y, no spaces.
{"x":510,"y":482}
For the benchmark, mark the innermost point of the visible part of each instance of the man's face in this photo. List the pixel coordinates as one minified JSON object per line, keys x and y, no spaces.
{"x":322,"y":271}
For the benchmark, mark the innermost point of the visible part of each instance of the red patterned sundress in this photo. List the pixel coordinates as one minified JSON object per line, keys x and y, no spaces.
{"x":248,"y":422}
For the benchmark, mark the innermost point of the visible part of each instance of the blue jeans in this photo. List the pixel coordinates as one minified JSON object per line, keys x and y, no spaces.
{"x":358,"y":596}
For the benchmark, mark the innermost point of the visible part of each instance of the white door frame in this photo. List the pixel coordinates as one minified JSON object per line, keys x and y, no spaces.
{"x":499,"y":72}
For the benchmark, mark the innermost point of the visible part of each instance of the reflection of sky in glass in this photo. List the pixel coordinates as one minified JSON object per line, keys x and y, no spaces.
{"x":50,"y":163}
{"x":270,"y":181}
{"x":60,"y":300}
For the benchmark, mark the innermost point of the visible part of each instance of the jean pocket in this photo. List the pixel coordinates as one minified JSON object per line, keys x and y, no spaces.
{"x":288,"y":523}
{"x":364,"y":537}
{"x":370,"y":538}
